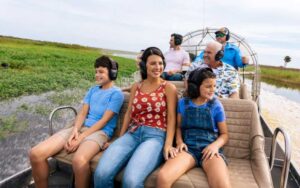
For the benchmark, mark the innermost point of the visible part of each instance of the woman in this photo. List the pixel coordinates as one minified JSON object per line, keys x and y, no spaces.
{"x":93,"y":126}
{"x":148,"y":128}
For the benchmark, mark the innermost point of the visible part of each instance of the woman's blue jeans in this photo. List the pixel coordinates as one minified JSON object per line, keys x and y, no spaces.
{"x":140,"y":152}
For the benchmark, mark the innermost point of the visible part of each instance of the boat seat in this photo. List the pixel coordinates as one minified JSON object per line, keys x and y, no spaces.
{"x":244,"y":93}
{"x":247,"y":162}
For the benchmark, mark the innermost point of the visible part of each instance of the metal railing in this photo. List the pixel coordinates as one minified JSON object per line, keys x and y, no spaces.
{"x":287,"y":155}
{"x":54,"y":111}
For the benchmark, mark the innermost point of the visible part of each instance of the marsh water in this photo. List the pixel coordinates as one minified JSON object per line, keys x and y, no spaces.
{"x":280,"y":107}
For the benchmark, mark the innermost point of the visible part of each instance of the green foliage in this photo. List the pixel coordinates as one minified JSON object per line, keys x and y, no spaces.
{"x":287,"y":59}
{"x":67,"y":98}
{"x":9,"y":125}
{"x":36,"y":67}
{"x":43,"y":109}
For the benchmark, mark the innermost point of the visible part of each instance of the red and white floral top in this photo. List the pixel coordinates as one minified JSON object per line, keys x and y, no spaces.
{"x":150,"y":109}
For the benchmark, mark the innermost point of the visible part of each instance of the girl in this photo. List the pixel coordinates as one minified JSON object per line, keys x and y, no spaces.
{"x":200,"y":134}
{"x":148,"y":128}
{"x":93,"y":126}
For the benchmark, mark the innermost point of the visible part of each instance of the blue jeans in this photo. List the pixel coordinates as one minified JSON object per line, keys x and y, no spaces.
{"x":140,"y":152}
{"x":174,"y":77}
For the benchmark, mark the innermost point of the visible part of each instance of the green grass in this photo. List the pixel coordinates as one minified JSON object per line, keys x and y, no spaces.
{"x":36,"y":66}
{"x":10,"y":125}
{"x":279,"y":76}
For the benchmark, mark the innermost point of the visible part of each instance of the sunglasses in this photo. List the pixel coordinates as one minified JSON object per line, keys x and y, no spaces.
{"x":220,"y":35}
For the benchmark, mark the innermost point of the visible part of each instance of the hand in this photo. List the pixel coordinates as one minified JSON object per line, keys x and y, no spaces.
{"x":169,"y":150}
{"x":105,"y":146}
{"x":210,"y":151}
{"x":245,"y":60}
{"x":74,"y":135}
{"x":182,"y":146}
{"x":187,"y":64}
{"x":73,"y":145}
{"x":171,"y":72}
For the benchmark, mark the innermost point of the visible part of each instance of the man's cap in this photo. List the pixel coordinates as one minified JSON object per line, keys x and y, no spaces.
{"x":223,"y":30}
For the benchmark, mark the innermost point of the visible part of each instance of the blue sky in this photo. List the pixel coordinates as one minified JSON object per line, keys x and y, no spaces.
{"x":271,"y":27}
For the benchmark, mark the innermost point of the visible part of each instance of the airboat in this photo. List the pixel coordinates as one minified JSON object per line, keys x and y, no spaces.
{"x":255,"y":157}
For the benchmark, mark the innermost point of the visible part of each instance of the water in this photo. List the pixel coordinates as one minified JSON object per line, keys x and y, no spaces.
{"x":290,"y":94}
{"x":130,"y":56}
{"x":281,"y":107}
{"x":31,"y":114}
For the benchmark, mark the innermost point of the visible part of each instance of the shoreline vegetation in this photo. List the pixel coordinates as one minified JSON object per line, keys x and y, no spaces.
{"x":279,"y":76}
{"x":34,"y":67}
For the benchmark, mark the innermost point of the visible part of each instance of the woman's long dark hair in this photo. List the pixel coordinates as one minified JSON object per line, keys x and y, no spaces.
{"x":149,"y":51}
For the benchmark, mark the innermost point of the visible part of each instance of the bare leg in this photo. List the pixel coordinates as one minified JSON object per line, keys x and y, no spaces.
{"x":38,"y":158}
{"x":216,"y":172}
{"x":81,"y":162}
{"x":173,"y":169}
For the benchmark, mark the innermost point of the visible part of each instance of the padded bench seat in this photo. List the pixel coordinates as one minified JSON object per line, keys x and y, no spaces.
{"x":247,"y":162}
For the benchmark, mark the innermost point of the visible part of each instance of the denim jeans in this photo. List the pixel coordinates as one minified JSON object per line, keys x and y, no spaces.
{"x":174,"y":77}
{"x":198,"y":129}
{"x":140,"y":152}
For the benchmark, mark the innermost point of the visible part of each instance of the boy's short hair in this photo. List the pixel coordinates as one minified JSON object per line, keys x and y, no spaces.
{"x":111,"y":65}
{"x":104,"y":61}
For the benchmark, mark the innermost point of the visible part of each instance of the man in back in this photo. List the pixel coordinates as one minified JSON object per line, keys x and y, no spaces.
{"x":175,"y":59}
{"x":232,"y":53}
{"x":228,"y":83}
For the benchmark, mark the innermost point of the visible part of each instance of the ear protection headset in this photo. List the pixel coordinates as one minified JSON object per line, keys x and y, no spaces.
{"x":193,"y":89}
{"x":193,"y":81}
{"x":227,"y":33}
{"x":149,"y":51}
{"x":219,"y":55}
{"x":113,"y":71}
{"x":177,"y":39}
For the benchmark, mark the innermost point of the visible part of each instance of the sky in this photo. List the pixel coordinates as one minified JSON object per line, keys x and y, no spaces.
{"x":271,"y":27}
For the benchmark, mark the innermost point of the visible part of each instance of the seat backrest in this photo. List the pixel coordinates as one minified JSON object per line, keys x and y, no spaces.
{"x":244,"y":92}
{"x":122,"y":114}
{"x":243,"y":125}
{"x":242,"y":120}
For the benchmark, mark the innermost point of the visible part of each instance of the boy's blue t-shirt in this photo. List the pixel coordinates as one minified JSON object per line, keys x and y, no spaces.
{"x":216,"y":110}
{"x":100,"y":100}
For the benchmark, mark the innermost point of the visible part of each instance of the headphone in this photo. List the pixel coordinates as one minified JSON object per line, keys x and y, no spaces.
{"x":219,"y":55}
{"x":227,"y":33}
{"x":177,"y":39}
{"x":146,"y":54}
{"x":193,"y":79}
{"x":113,"y":71}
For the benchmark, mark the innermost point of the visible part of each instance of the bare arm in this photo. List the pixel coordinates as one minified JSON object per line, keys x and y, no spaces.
{"x":126,"y":120}
{"x":178,"y":130}
{"x":171,"y":95}
{"x":108,"y":114}
{"x":180,"y":145}
{"x":78,"y":123}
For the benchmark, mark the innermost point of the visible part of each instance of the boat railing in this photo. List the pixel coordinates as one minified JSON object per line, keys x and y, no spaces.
{"x":287,"y":155}
{"x":54,"y":111}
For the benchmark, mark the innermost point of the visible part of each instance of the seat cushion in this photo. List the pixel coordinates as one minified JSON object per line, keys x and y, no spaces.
{"x":239,"y":171}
